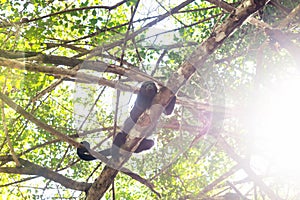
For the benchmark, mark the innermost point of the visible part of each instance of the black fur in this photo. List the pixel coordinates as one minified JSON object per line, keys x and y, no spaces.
{"x":143,"y":101}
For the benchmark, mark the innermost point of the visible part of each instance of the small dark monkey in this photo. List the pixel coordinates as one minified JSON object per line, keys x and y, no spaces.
{"x":143,"y":101}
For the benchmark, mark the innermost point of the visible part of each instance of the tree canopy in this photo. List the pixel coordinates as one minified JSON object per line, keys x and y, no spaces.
{"x":70,"y":72}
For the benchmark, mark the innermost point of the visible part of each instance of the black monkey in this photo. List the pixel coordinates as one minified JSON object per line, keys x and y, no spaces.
{"x":143,"y":101}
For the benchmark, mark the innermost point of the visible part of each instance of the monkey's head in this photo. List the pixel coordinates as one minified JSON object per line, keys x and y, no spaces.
{"x":148,"y":89}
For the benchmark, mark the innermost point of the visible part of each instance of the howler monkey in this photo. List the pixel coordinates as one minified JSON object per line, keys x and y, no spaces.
{"x":143,"y":101}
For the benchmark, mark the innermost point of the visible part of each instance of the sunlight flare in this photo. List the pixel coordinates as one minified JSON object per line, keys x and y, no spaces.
{"x":277,"y":126}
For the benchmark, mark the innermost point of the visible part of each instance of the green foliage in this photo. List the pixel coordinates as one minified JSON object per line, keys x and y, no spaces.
{"x":178,"y":167}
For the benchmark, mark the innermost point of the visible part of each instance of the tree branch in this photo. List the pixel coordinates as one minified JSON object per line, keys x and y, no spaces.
{"x":33,"y":169}
{"x":39,"y":123}
{"x":186,"y":70}
{"x":245,"y":165}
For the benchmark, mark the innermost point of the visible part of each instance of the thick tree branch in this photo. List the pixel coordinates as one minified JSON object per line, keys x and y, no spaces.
{"x":179,"y":78}
{"x":285,"y":42}
{"x":30,"y":168}
{"x":79,"y":76}
{"x":98,"y":66}
{"x":290,"y":17}
{"x":229,"y":8}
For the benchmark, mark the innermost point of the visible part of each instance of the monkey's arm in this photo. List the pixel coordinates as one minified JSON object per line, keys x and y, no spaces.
{"x":83,"y":153}
{"x":170,"y":107}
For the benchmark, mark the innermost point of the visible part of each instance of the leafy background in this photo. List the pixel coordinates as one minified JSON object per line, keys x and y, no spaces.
{"x":230,"y":98}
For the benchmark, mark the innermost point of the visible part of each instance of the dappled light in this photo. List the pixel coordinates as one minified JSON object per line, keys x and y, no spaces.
{"x":137,"y":99}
